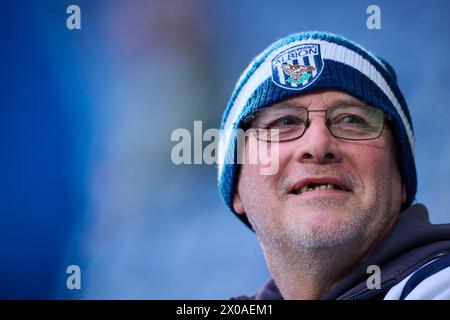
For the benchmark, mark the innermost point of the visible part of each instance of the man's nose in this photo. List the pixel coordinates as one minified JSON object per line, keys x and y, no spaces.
{"x":317,"y":145}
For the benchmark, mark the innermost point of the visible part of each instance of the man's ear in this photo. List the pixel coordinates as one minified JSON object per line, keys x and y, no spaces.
{"x":237,"y":204}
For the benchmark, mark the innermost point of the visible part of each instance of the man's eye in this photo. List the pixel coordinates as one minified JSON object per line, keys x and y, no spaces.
{"x":285,"y":122}
{"x":350,"y":119}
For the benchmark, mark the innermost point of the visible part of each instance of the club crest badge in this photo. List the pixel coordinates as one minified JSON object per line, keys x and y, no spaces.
{"x":297,"y":67}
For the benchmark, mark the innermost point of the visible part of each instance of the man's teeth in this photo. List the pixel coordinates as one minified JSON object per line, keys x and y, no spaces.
{"x":314,"y":187}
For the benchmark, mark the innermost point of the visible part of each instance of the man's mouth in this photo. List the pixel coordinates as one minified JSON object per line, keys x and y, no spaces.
{"x":315,"y":187}
{"x":319,"y":184}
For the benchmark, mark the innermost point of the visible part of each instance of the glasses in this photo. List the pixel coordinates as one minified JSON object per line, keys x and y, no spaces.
{"x":283,"y":123}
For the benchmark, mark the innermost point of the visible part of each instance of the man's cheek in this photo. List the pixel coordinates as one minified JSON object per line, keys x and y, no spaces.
{"x":264,"y":154}
{"x":270,"y":159}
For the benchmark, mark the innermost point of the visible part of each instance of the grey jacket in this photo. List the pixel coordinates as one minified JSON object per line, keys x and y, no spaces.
{"x":413,"y":251}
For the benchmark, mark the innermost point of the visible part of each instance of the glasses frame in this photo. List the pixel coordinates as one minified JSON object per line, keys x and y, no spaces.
{"x":250,"y":118}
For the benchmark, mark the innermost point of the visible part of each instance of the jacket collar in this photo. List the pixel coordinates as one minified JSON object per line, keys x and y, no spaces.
{"x":412,"y":240}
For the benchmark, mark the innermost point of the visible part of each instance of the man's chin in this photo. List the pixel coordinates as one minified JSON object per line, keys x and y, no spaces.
{"x":320,"y":224}
{"x":321,"y":210}
{"x":324,"y":228}
{"x":321,"y":202}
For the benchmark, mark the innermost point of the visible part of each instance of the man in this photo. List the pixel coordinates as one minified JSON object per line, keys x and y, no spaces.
{"x":340,"y":202}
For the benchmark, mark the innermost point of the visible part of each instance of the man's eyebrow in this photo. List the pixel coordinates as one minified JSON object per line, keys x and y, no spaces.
{"x":347,"y":102}
{"x":343,"y":101}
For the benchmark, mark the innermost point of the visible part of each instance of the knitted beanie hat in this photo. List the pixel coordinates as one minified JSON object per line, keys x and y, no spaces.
{"x":306,"y":62}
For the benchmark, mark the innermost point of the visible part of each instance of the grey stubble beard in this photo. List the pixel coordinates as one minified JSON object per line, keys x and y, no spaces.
{"x":294,"y":241}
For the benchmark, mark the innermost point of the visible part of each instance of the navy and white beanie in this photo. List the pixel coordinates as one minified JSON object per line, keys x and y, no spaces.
{"x":306,"y":62}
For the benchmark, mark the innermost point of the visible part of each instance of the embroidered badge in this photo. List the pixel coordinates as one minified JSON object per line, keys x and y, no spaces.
{"x":297,"y":67}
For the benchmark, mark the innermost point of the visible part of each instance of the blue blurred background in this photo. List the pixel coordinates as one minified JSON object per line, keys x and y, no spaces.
{"x":86,"y":118}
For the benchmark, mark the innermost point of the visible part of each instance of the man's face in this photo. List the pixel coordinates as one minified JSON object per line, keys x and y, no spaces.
{"x":362,"y":194}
